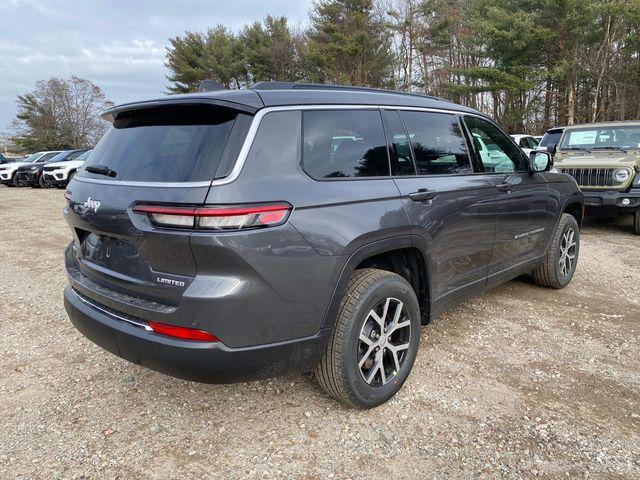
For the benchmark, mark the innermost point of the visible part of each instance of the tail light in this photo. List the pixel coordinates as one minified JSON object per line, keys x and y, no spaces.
{"x":216,"y":218}
{"x":184,"y":333}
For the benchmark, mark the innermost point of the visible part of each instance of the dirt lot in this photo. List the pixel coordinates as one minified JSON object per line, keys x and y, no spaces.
{"x":522,"y":381}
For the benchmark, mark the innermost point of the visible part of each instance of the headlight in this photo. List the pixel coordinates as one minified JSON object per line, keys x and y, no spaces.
{"x":621,"y":175}
{"x":33,"y":168}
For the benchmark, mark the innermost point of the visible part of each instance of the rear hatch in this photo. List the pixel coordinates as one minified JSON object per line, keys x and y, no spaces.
{"x":165,"y":155}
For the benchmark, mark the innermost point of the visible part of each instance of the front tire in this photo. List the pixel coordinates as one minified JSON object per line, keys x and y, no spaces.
{"x":15,"y":181}
{"x":42,"y":182}
{"x":636,"y":222}
{"x":559,"y":265}
{"x":374,"y":342}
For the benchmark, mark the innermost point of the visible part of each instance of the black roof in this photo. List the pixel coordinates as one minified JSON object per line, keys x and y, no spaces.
{"x":273,"y":94}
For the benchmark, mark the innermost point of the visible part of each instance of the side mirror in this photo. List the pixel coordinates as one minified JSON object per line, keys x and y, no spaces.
{"x":552,"y":148}
{"x":540,"y":161}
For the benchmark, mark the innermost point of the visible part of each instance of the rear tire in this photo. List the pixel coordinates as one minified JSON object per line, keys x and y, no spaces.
{"x":636,"y":222}
{"x":374,"y":342}
{"x":559,"y":265}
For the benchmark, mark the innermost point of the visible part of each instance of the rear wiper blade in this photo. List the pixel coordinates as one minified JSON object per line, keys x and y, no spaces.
{"x":102,"y":170}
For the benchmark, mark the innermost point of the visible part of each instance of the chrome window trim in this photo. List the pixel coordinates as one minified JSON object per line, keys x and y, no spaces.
{"x":251,"y":135}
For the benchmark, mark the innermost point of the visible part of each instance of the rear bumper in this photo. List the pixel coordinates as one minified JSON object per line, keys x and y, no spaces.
{"x":612,"y":199}
{"x":209,"y":362}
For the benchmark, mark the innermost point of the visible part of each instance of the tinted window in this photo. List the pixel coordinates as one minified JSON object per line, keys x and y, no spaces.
{"x":551,"y":137}
{"x":439,"y":148}
{"x":497,"y":152}
{"x":401,"y":161}
{"x":164,"y":144}
{"x":344,"y":143}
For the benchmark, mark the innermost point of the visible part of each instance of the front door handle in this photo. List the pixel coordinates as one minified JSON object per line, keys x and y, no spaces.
{"x":422,"y":195}
{"x":504,"y":187}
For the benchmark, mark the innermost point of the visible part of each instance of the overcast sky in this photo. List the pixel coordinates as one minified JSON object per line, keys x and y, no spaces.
{"x":119,"y":45}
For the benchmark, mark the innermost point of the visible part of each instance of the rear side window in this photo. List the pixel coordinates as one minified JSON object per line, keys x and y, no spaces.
{"x":401,"y":160}
{"x":164,"y":144}
{"x":439,"y":148}
{"x":344,"y":143}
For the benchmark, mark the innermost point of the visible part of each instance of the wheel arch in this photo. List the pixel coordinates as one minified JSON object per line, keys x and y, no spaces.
{"x":404,"y":255}
{"x":575,"y":207}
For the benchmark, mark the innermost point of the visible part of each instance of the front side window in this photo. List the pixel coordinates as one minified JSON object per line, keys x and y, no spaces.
{"x":497,"y":152}
{"x":439,"y":148}
{"x":344,"y":144}
{"x":526,"y":142}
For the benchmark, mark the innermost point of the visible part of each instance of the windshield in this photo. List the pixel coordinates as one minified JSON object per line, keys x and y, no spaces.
{"x":33,"y":157}
{"x":163,"y":144}
{"x":84,"y":156}
{"x":602,"y":138}
{"x":61,"y":157}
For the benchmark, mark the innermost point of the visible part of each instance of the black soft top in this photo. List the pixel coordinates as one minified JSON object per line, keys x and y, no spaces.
{"x":275,"y":94}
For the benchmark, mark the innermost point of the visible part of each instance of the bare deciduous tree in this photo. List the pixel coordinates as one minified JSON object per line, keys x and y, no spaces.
{"x":60,"y":113}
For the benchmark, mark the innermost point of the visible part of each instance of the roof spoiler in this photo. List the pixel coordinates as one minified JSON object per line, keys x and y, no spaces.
{"x":210,"y":86}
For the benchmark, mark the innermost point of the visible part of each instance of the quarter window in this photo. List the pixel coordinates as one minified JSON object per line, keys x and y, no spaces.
{"x":344,"y":143}
{"x":439,"y":148}
{"x":497,"y":152}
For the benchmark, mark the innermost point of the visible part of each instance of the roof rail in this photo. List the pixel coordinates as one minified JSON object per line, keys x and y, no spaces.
{"x":329,"y":86}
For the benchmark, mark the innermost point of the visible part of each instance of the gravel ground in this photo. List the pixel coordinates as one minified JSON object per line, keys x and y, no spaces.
{"x":521,"y":381}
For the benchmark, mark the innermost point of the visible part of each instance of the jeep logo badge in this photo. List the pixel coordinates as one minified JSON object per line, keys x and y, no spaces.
{"x":92,"y":205}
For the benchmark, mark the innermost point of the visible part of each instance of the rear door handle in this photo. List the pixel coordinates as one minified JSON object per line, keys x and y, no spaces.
{"x":504,"y":187}
{"x":423,"y":194}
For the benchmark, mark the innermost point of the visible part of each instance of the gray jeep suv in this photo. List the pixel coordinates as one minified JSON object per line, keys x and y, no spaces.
{"x":223,"y":236}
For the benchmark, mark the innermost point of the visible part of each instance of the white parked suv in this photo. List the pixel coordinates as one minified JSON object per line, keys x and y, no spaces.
{"x":8,"y":170}
{"x":60,"y":174}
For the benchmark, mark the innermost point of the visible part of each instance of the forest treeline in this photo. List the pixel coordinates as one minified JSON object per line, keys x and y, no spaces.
{"x":530,"y":64}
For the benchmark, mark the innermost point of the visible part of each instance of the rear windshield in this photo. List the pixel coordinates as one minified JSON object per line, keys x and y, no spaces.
{"x":163,"y":144}
{"x":550,"y":138}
